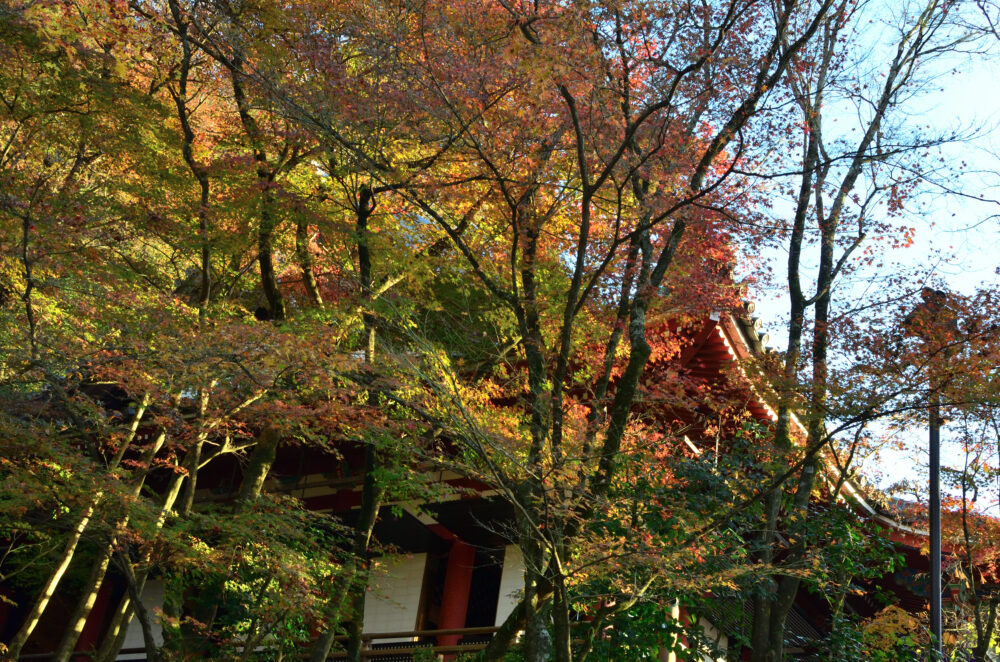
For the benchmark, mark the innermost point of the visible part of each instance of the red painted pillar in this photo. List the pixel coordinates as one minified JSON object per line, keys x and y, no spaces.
{"x":457,"y":583}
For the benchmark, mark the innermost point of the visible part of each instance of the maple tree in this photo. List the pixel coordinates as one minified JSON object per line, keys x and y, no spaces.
{"x":841,"y":181}
{"x":96,"y":280}
{"x":581,"y":185}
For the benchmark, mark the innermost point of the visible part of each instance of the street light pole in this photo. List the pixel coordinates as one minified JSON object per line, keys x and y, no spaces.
{"x":933,"y":312}
{"x":935,"y":513}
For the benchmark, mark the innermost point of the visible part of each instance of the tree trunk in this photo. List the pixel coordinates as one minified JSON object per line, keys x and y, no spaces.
{"x":88,"y":595}
{"x":264,"y":453}
{"x":134,"y":590}
{"x":265,"y":258}
{"x":306,"y":263}
{"x":49,"y":588}
{"x":187,"y":150}
{"x":355,"y":582}
{"x":536,"y":645}
{"x":372,"y":493}
{"x":371,"y":501}
{"x":114,"y":637}
{"x":561,"y":620}
{"x":265,"y":180}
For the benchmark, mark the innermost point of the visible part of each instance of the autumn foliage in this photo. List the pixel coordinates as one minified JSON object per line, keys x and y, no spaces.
{"x":498,"y":239}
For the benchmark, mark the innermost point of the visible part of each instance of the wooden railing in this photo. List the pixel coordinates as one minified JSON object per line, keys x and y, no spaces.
{"x":371,"y":649}
{"x":419,"y":640}
{"x":88,"y":655}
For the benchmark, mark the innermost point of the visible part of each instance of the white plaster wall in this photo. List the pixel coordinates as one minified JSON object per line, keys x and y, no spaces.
{"x":511,"y":582}
{"x":393,"y":596}
{"x":152,"y":599}
{"x":665,"y":656}
{"x":712,"y":634}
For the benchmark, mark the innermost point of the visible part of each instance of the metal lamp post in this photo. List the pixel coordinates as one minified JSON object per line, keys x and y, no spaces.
{"x":935,"y":516}
{"x":933,"y":305}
